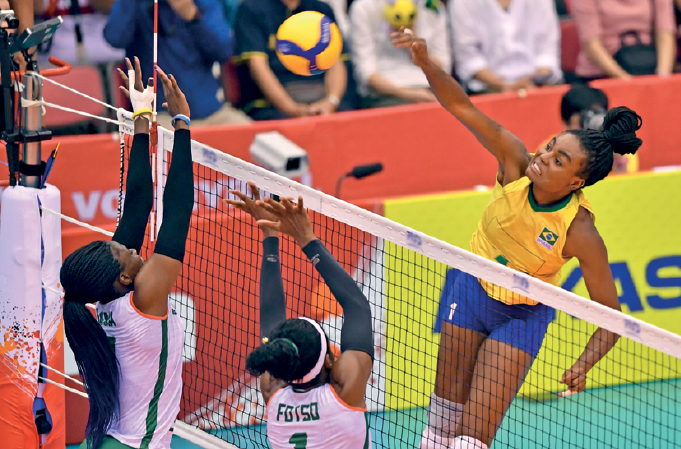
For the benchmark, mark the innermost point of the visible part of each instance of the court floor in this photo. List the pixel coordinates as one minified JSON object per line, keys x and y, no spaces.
{"x":631,"y":416}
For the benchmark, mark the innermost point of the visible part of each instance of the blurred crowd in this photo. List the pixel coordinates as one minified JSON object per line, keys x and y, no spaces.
{"x":222,"y":52}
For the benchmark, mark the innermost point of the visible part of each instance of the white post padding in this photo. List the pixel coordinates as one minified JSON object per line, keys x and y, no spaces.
{"x":50,"y":197}
{"x":23,"y":270}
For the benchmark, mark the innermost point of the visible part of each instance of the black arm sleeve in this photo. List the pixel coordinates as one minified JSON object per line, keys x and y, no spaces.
{"x":178,"y":199}
{"x":357,"y":333}
{"x":272,"y":296}
{"x":139,"y":196}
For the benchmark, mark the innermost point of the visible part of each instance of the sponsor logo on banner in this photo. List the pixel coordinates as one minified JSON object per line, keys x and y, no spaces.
{"x":547,"y":238}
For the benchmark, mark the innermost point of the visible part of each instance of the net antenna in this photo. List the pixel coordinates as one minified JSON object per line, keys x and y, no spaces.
{"x":155,"y":160}
{"x":155,"y":58}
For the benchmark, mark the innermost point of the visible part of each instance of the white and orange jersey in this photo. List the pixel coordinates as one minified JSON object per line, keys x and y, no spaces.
{"x":149,"y":352}
{"x":315,"y":419}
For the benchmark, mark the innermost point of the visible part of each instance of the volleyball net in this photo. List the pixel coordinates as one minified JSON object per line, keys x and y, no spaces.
{"x":413,"y":282}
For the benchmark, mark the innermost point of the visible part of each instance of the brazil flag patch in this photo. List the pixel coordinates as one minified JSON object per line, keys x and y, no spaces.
{"x":547,"y":238}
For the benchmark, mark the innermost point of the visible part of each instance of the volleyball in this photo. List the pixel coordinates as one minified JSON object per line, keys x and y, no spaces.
{"x":308,"y":43}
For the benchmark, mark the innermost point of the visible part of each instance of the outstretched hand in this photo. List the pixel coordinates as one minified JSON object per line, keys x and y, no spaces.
{"x":405,"y":38}
{"x":176,"y":103}
{"x":575,"y":379}
{"x":249,"y":206}
{"x":291,"y":219}
{"x":138,"y":85}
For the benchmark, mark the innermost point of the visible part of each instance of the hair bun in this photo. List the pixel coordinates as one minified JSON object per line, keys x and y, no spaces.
{"x":619,"y":130}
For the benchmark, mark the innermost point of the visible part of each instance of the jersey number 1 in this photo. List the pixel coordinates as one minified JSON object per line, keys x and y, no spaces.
{"x":299,"y":440}
{"x":451,"y":310}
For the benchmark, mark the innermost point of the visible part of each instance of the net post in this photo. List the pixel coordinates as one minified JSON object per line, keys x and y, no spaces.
{"x":32,"y":122}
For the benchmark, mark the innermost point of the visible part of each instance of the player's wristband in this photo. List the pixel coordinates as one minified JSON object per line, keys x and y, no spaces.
{"x":182,"y":117}
{"x":334,"y":100}
{"x":142,"y":112}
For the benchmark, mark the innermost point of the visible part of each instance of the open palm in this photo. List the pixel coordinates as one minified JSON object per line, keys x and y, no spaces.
{"x":249,"y":205}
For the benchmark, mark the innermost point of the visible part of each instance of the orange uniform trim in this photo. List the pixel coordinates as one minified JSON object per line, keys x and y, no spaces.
{"x":151,"y":317}
{"x":341,"y":402}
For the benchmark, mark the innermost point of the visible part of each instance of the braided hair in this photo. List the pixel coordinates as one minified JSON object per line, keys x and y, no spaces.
{"x":617,"y":136}
{"x":282,"y":359}
{"x":88,"y":276}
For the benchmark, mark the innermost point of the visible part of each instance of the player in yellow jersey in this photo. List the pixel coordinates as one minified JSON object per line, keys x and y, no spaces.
{"x":537,"y":220}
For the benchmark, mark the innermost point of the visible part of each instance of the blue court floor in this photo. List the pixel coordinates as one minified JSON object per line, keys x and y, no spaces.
{"x":631,"y":416}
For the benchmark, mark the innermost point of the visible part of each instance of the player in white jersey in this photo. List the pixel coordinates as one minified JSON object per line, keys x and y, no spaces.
{"x":130,"y":358}
{"x":313,"y":401}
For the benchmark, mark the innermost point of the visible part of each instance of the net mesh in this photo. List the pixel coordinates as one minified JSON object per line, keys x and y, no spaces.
{"x":632,"y":398}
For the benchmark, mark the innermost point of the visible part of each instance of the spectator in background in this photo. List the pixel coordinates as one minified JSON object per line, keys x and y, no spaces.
{"x":89,"y":16}
{"x":505,"y":45}
{"x":581,"y":107}
{"x":386,"y":75}
{"x":584,"y":107}
{"x":340,"y":10}
{"x":268,"y":90}
{"x":23,"y":11}
{"x":192,"y":36}
{"x":601,"y":25}
{"x":230,"y":7}
{"x":339,"y":7}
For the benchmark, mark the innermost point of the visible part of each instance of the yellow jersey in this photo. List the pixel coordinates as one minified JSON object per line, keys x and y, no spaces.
{"x":519,"y":233}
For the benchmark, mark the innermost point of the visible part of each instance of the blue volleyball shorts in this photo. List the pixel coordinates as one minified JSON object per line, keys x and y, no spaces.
{"x":465,"y":303}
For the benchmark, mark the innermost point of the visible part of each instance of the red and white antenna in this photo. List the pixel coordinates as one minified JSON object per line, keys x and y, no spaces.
{"x":155,"y":55}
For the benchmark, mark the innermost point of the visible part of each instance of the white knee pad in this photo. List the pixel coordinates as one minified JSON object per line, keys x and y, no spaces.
{"x":465,"y":442}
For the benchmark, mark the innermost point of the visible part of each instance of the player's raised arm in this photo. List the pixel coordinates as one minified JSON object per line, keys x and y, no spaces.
{"x":353,"y":368}
{"x":507,"y":148}
{"x":159,"y":273}
{"x":139,"y":185}
{"x":272,"y":296}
